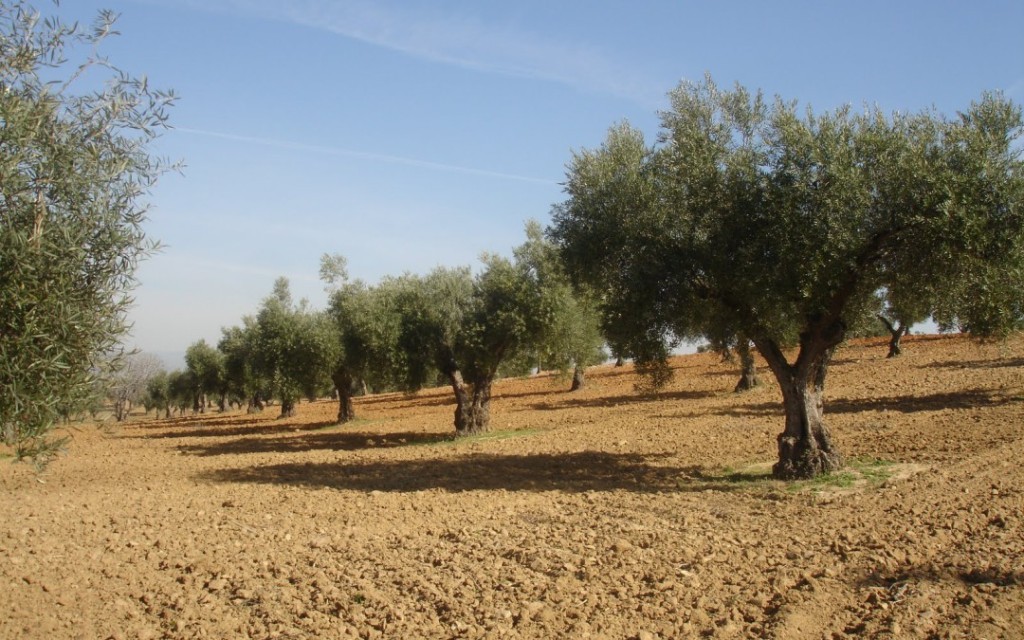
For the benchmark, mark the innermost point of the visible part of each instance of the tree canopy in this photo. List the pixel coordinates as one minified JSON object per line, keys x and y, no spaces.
{"x":750,"y":217}
{"x":292,"y":348}
{"x":466,"y":328}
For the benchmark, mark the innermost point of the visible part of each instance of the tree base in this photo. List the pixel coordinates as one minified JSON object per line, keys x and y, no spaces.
{"x":472,"y":431}
{"x":800,"y":459}
{"x":287,"y":411}
{"x":746,"y":383}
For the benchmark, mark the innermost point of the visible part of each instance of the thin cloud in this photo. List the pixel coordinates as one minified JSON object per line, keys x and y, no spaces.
{"x":363,"y":155}
{"x":423,"y":31}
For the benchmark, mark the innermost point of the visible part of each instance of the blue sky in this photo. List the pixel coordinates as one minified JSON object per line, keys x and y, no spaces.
{"x":406,"y":135}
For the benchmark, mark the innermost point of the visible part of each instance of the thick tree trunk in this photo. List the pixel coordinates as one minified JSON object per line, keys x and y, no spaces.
{"x":579,"y":378}
{"x":287,"y":408}
{"x":343,"y":384}
{"x":472,"y":405}
{"x":748,"y":368}
{"x":806,"y":449}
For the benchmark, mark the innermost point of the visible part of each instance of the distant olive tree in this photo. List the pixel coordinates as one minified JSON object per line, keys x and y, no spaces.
{"x":243,"y":380}
{"x":291,"y":348}
{"x":181,"y":391}
{"x":157,"y":396}
{"x":785,"y":226}
{"x":127,"y":386}
{"x":569,"y":334}
{"x":465,"y":327}
{"x":364,"y":335}
{"x":207,"y":368}
{"x":74,"y":171}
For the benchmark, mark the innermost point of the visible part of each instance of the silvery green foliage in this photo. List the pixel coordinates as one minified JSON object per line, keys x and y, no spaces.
{"x":74,"y":172}
{"x":752,"y":216}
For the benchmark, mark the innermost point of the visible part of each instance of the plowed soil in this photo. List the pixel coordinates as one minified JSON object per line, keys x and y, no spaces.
{"x":597,"y":514}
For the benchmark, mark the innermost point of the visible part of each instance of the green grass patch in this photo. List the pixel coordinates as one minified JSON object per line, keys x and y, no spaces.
{"x":858,"y":472}
{"x":867,"y":472}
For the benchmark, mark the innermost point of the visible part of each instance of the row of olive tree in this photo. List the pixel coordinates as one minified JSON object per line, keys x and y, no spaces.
{"x":405,"y":333}
{"x":751,"y":219}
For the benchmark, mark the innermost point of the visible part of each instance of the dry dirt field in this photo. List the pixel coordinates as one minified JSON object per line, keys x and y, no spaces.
{"x":599,"y":514}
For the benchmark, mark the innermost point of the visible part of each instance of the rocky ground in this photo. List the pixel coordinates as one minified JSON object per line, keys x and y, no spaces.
{"x":596,"y":514}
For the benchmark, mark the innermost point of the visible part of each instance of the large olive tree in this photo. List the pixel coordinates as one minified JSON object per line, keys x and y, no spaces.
{"x":784,"y":225}
{"x":74,"y":171}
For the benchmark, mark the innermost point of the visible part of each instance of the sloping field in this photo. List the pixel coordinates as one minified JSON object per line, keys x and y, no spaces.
{"x":598,"y":514}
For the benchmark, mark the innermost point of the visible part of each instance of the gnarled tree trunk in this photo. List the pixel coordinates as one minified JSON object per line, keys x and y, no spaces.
{"x":806,"y":449}
{"x":472,"y":405}
{"x":287,"y":408}
{"x":346,"y":408}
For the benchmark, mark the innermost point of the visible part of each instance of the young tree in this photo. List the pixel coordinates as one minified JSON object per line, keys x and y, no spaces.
{"x":74,"y":172}
{"x":784,"y":227}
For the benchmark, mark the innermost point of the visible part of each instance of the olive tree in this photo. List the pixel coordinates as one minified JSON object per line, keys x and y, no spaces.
{"x":158,"y":394}
{"x":364,"y":334}
{"x":241,"y":376}
{"x":465,"y":327}
{"x":207,"y":366}
{"x":180,"y":391}
{"x":569,"y":336}
{"x":291,"y":348}
{"x":784,"y":226}
{"x":74,"y":173}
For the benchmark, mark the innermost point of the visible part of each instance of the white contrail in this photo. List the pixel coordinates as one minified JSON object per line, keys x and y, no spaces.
{"x":426,"y":31}
{"x":350,"y":153}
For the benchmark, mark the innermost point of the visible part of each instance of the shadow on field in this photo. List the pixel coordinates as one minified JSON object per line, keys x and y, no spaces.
{"x":236,"y":427}
{"x":999,"y":363}
{"x":904,"y":404}
{"x":966,"y":399}
{"x":573,"y":472}
{"x":322,"y":441}
{"x":614,"y":401}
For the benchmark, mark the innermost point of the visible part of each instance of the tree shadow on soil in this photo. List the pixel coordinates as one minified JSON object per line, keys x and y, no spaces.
{"x":967,"y":399}
{"x":999,"y":576}
{"x":976,"y":364}
{"x":323,"y":441}
{"x":238,"y":427}
{"x":569,"y":472}
{"x":614,"y":401}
